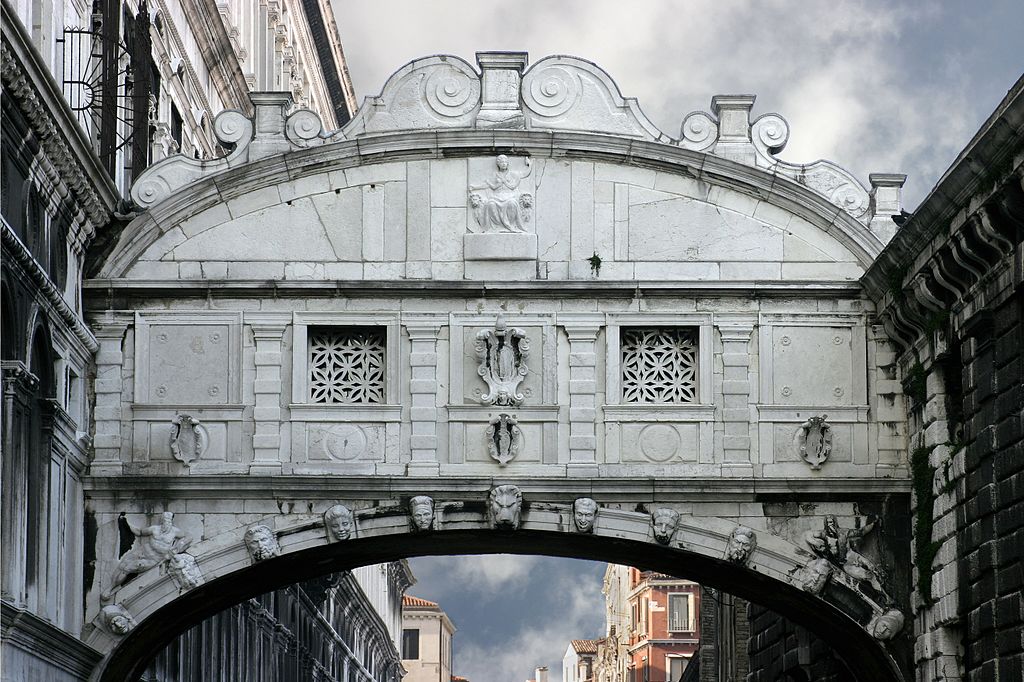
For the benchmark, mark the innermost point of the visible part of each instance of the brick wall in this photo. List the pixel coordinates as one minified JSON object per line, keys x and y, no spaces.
{"x":781,"y":651}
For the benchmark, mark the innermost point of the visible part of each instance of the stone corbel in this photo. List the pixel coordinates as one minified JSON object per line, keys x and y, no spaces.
{"x":988,"y":233}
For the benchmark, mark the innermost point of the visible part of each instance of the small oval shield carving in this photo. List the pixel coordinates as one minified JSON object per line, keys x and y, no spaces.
{"x":814,"y":440}
{"x":188,"y":439}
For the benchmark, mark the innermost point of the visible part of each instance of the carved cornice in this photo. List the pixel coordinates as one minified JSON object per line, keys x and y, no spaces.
{"x":963,"y":238}
{"x":13,"y":248}
{"x":26,"y":631}
{"x":31,"y":85}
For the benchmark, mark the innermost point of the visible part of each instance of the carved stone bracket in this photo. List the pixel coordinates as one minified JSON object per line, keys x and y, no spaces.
{"x":504,"y":438}
{"x":503,"y":352}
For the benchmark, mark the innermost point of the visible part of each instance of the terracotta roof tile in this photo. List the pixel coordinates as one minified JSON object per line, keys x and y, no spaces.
{"x":409,"y":600}
{"x":585,"y":646}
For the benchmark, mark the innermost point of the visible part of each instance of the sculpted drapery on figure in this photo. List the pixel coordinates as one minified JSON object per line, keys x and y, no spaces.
{"x":153,"y":545}
{"x":498,"y":204}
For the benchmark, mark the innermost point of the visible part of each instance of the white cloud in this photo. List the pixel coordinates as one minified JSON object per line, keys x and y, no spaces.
{"x":492,"y":572}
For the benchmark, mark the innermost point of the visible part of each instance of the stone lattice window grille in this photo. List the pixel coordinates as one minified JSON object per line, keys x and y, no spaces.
{"x":347,"y":365}
{"x":659,"y":365}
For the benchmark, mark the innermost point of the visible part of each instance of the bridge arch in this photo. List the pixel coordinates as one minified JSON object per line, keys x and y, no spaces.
{"x":771,"y":576}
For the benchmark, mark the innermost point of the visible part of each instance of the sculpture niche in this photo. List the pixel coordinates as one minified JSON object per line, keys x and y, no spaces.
{"x":153,"y":546}
{"x":503,"y":352}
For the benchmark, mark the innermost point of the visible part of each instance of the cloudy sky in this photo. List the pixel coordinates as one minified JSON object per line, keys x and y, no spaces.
{"x":874,"y":85}
{"x":877,"y":86}
{"x":513,"y":613}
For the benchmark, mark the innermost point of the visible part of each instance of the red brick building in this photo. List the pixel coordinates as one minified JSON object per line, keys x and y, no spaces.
{"x":664,"y":626}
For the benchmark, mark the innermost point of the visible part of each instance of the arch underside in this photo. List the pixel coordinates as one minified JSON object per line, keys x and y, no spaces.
{"x":696,"y":552}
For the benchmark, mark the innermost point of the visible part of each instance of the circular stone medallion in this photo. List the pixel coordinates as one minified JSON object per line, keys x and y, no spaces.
{"x":659,"y":442}
{"x":344,"y":442}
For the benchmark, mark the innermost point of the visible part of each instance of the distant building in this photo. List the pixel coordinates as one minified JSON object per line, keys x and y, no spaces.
{"x":426,"y":641}
{"x":660,"y":625}
{"x":579,"y":659}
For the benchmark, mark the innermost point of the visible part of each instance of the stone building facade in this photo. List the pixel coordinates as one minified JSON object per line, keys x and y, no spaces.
{"x":426,"y":645}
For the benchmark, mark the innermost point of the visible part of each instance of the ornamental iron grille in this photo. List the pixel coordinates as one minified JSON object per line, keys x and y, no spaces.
{"x":346,"y":364}
{"x":659,"y":365}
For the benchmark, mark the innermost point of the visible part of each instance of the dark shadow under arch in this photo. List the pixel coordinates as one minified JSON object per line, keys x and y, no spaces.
{"x":866,"y":658}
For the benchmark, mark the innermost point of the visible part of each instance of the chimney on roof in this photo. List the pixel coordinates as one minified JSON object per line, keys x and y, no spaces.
{"x":541,"y":674}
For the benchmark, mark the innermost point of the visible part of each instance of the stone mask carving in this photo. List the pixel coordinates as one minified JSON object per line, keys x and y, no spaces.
{"x":184,"y":570}
{"x":814,"y":440}
{"x":813,"y":576}
{"x":497,"y":203}
{"x":421,"y":513}
{"x":503,"y":353}
{"x":261,"y":543}
{"x":339,"y":522}
{"x":504,"y":438}
{"x":664,"y":521}
{"x":188,"y":439}
{"x":115,"y":620}
{"x":742,"y":543}
{"x":505,"y":504}
{"x":887,"y":625}
{"x":584,"y":514}
{"x":153,"y":545}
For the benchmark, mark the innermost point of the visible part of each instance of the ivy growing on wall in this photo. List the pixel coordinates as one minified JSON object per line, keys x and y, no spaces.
{"x":925,"y":549}
{"x":915,"y":384}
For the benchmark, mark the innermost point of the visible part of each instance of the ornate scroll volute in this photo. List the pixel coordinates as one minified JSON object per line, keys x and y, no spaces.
{"x":503,"y":352}
{"x":504,"y":438}
{"x":814,"y":441}
{"x":188,"y":439}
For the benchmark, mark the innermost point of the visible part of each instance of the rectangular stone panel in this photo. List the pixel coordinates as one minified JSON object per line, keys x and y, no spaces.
{"x":345,"y":443}
{"x":658,"y":442}
{"x":812,"y":365}
{"x":188,"y":364}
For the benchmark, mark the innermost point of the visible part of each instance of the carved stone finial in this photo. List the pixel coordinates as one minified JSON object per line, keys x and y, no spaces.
{"x":502,"y":75}
{"x":188,"y":439}
{"x":887,"y":625}
{"x":664,"y":522}
{"x":504,"y":438}
{"x":184,"y":570}
{"x":115,"y":620}
{"x":505,"y":504}
{"x":339,"y":522}
{"x":421,"y":513}
{"x":497,"y":203}
{"x":261,"y":543}
{"x":814,"y":441}
{"x":584,"y":514}
{"x":503,"y":353}
{"x":153,"y":545}
{"x":742,"y":543}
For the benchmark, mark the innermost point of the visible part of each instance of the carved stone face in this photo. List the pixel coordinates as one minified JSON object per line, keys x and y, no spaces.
{"x":339,"y":522}
{"x":261,"y":543}
{"x":742,"y":543}
{"x":167,"y":519}
{"x":664,"y":521}
{"x":421,"y":512}
{"x":502,"y":162}
{"x":584,"y":513}
{"x":814,"y":576}
{"x":505,"y":504}
{"x":116,"y":620}
{"x":475,"y":200}
{"x":887,"y":625}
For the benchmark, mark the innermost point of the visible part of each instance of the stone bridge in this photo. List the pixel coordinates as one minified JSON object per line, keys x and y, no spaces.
{"x":499,"y":311}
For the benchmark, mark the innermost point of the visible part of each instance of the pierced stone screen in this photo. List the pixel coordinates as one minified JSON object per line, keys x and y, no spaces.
{"x":346,"y":365}
{"x":659,"y":365}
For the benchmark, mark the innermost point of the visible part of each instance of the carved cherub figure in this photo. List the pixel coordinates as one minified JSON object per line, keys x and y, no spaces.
{"x":153,"y":545}
{"x":339,"y":522}
{"x":421,"y":513}
{"x":584,"y":514}
{"x":505,"y":504}
{"x":261,"y":543}
{"x":742,"y":543}
{"x":664,"y":521}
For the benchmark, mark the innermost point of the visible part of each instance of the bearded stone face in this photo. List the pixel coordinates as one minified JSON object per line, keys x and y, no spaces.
{"x":261,"y":543}
{"x":505,"y":504}
{"x":742,"y":543}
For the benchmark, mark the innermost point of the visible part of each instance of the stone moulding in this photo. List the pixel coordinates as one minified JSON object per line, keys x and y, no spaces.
{"x":558,"y":93}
